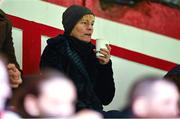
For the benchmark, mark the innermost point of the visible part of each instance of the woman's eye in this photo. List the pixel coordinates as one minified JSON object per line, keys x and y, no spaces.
{"x":83,"y":22}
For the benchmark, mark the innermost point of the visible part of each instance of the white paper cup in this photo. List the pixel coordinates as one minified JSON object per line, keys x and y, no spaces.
{"x":100,"y":43}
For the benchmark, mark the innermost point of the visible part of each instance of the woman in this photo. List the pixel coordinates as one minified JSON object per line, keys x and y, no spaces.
{"x":73,"y":54}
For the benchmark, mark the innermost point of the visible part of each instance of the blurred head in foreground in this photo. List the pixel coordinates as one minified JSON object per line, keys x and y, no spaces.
{"x":153,"y":97}
{"x":88,"y":114}
{"x":5,"y":90}
{"x":49,"y":95}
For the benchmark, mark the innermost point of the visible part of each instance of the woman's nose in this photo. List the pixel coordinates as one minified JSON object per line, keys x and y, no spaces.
{"x":90,"y":27}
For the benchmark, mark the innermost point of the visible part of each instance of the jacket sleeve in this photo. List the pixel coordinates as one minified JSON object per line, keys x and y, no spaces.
{"x":105,"y":88}
{"x":8,"y":48}
{"x":51,"y":59}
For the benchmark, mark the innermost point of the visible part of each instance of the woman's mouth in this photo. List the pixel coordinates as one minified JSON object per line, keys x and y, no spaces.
{"x":88,"y":34}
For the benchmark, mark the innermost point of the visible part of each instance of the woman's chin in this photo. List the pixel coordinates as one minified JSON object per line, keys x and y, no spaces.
{"x":86,"y":39}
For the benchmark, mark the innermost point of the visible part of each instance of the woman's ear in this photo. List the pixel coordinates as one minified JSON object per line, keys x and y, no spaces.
{"x":31,"y":105}
{"x":139,"y":107}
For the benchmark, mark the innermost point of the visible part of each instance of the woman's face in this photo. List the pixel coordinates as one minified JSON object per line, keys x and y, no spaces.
{"x":84,"y":28}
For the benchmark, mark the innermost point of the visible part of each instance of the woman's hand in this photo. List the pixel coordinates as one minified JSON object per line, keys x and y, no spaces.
{"x":105,"y":57}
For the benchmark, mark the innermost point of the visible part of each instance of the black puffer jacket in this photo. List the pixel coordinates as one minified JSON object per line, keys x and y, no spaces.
{"x":94,"y":82}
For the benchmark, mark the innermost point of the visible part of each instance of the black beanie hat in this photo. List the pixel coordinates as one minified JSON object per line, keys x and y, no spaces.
{"x":72,"y":15}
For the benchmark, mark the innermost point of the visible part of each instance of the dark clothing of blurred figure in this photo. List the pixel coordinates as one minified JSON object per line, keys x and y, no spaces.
{"x":6,"y":43}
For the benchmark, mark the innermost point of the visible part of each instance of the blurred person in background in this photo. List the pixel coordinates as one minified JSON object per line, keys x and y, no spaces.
{"x":174,"y":75}
{"x":7,"y":48}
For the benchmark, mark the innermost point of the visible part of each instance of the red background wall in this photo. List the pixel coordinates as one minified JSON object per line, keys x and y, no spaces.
{"x":150,"y":16}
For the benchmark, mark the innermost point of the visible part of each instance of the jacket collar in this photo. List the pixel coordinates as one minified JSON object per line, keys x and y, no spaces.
{"x":63,"y":46}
